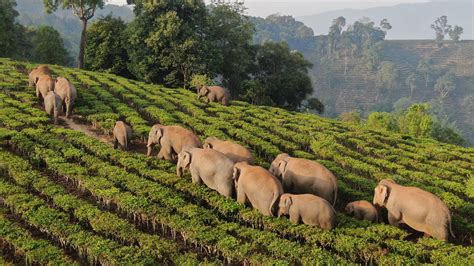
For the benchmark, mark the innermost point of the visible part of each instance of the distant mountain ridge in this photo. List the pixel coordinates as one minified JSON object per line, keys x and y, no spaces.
{"x":409,"y":21}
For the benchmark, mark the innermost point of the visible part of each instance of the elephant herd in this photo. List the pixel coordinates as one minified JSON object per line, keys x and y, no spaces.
{"x":302,"y":189}
{"x":58,"y":95}
{"x":299,"y":188}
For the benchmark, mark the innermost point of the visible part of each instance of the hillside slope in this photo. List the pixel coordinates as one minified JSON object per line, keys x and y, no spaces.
{"x":409,"y":20}
{"x":356,"y":89}
{"x":108,"y":206}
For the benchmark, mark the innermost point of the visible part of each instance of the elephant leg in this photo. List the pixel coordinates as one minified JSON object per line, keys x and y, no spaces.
{"x":195,"y":177}
{"x":241,"y":197}
{"x":393,"y":219}
{"x":225,"y":190}
{"x":115,"y":143}
{"x":166,"y":153}
{"x":294,"y":217}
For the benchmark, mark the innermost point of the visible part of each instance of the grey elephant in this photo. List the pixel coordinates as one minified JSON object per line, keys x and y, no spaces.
{"x":44,"y":84}
{"x":208,"y":166}
{"x":214,"y":94}
{"x":419,"y":209}
{"x":53,"y":105}
{"x":122,"y":135}
{"x":172,"y":140}
{"x":363,"y":210}
{"x":66,"y":90}
{"x":234,"y":151}
{"x":36,"y":72}
{"x":301,"y":176}
{"x":308,"y":208}
{"x":257,"y":186}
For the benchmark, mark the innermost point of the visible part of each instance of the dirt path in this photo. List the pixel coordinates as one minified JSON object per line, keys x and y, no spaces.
{"x":74,"y":124}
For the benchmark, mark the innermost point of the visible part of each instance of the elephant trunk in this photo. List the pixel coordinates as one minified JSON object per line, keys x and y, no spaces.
{"x":149,"y":146}
{"x":179,"y":171}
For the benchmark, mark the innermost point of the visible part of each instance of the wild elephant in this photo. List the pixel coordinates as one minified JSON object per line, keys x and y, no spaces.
{"x":44,"y":84}
{"x":66,"y":90}
{"x":419,"y":209}
{"x":309,"y":209}
{"x":172,"y":140}
{"x":36,"y":72}
{"x":215,"y":94}
{"x":53,"y":105}
{"x":363,"y":210}
{"x":234,"y":151}
{"x":301,"y":176}
{"x":208,"y":166}
{"x":257,"y":186}
{"x":122,"y":135}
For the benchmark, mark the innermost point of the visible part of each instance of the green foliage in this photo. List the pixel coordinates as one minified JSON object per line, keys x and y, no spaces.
{"x":165,"y":42}
{"x":198,"y":80}
{"x":417,"y":120}
{"x":283,"y":73}
{"x":228,"y":38}
{"x":441,"y":27}
{"x":14,"y":41}
{"x":426,"y":68}
{"x":382,"y":120}
{"x":49,"y":47}
{"x":106,"y":46}
{"x":313,"y":104}
{"x":455,"y":33}
{"x":445,"y":84}
{"x":350,"y":117}
{"x":387,"y":77}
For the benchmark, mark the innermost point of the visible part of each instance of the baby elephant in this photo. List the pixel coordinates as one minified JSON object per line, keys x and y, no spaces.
{"x":209,"y":166}
{"x":234,"y":151}
{"x":415,"y":207}
{"x":363,"y":210}
{"x":53,"y":105}
{"x":258,"y":186}
{"x":308,"y":208}
{"x":215,"y":94}
{"x":122,"y":135}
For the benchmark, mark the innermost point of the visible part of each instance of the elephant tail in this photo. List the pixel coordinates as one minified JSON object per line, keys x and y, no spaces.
{"x":125,"y":141}
{"x":335,"y":194}
{"x":450,"y":228}
{"x":275,"y":201}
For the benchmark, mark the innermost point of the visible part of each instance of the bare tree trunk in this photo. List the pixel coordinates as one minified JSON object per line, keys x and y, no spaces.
{"x":82,"y":47}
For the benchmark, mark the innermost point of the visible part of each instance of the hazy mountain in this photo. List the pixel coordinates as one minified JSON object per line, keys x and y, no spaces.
{"x":409,"y":21}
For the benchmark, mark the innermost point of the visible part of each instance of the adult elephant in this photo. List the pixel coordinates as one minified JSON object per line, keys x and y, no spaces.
{"x":234,"y":151}
{"x":215,"y":94}
{"x":208,"y":166}
{"x":419,"y":209}
{"x":302,"y":176}
{"x":53,"y":105}
{"x":172,"y":140}
{"x":66,"y":90}
{"x":44,"y":84}
{"x":36,"y":72}
{"x":257,"y":186}
{"x":122,"y":135}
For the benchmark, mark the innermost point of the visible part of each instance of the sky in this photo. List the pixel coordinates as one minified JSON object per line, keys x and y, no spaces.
{"x":263,"y":8}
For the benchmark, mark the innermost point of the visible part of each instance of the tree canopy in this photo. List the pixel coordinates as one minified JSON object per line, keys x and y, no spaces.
{"x":49,"y":47}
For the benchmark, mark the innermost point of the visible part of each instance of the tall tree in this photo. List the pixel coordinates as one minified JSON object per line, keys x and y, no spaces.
{"x":387,"y":76}
{"x":411,"y":83}
{"x":166,"y":42}
{"x":385,"y":25}
{"x":441,"y":28}
{"x":334,"y":34}
{"x":283,"y":74}
{"x":445,"y":84}
{"x":49,"y":46}
{"x":14,"y":41}
{"x":455,"y":33}
{"x":84,"y":10}
{"x":106,"y":48}
{"x":425,"y":68}
{"x":229,"y":35}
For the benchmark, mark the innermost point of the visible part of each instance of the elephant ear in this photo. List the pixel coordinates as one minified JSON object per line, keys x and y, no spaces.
{"x":282,"y":167}
{"x":159,"y":134}
{"x":288,"y":201}
{"x":383,"y":194}
{"x":37,"y":78}
{"x":236,"y":174}
{"x":207,"y":145}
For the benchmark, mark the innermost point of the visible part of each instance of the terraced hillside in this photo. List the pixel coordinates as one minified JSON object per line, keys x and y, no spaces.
{"x":67,"y":197}
{"x":353,"y":88}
